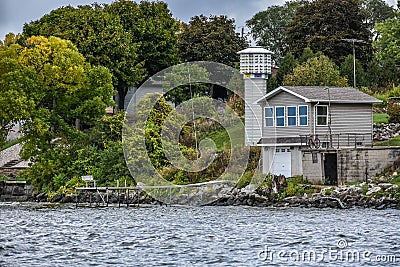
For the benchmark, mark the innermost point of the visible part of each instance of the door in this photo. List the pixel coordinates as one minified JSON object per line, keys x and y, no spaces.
{"x":330,"y":168}
{"x":282,"y":162}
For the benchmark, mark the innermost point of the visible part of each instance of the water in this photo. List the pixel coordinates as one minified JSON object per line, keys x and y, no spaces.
{"x":34,"y":235}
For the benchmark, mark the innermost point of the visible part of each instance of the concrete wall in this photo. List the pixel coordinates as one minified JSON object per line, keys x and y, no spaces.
{"x":313,"y":170}
{"x":357,"y":164}
{"x":354,"y":164}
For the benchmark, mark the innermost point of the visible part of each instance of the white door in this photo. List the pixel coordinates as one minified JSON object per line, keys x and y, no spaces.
{"x":281,"y":164}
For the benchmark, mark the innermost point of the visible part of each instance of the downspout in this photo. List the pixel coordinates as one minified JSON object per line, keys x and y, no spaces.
{"x":315,"y":117}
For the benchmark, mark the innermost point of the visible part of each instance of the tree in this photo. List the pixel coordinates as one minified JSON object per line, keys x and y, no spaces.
{"x":151,"y":25}
{"x":347,"y":71}
{"x":210,"y":39}
{"x":323,"y":24}
{"x":57,"y":94}
{"x":73,"y":95}
{"x":287,"y":65}
{"x":178,"y":79}
{"x":384,"y":70}
{"x":375,"y":11}
{"x":19,"y":89}
{"x":100,"y":37}
{"x":318,"y":71}
{"x":388,"y":43}
{"x":268,"y":27}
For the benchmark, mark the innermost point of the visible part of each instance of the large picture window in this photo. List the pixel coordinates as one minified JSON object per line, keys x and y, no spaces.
{"x":322,"y":115}
{"x":280,"y":116}
{"x":303,"y":115}
{"x":269,"y":116}
{"x":292,"y":116}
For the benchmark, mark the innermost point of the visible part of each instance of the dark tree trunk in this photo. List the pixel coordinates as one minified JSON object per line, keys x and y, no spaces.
{"x":122,"y":91}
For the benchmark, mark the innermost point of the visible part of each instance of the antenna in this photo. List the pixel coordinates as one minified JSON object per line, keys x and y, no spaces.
{"x":352,"y":40}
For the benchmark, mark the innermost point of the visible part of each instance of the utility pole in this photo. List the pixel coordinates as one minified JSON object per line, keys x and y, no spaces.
{"x":353,"y":41}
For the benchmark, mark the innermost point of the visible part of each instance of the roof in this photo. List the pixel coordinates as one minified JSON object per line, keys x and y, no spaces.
{"x":255,"y":50}
{"x":324,"y":94}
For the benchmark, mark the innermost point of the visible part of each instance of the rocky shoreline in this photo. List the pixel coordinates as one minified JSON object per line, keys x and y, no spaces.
{"x":376,"y":196}
{"x":365,"y":195}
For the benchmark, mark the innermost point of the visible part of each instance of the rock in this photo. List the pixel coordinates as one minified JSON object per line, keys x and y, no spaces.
{"x":248,"y":189}
{"x":394,"y":187}
{"x":384,"y":186}
{"x":373,"y":190}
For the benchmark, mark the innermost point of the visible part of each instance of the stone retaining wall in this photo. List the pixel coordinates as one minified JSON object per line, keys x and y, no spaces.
{"x":353,"y":164}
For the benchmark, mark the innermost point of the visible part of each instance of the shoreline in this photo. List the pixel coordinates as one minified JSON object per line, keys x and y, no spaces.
{"x":374,"y":196}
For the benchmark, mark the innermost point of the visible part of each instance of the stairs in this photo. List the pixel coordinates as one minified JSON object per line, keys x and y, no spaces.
{"x":11,"y":163}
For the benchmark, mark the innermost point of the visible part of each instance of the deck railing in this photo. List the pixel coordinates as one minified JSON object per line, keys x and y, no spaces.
{"x":336,"y":141}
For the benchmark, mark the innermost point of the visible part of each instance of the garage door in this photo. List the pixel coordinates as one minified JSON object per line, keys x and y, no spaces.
{"x":282,"y":162}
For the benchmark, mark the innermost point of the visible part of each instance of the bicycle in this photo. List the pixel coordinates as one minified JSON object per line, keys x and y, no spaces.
{"x":314,"y":142}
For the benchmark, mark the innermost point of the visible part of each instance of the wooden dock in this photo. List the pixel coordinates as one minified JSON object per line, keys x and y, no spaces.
{"x":125,"y":191}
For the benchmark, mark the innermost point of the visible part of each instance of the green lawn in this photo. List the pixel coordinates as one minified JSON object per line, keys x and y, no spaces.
{"x":380,"y":118}
{"x":391,"y":142}
{"x":222,"y":140}
{"x":10,"y":144}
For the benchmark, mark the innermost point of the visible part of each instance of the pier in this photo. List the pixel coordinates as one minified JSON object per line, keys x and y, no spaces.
{"x":125,"y":194}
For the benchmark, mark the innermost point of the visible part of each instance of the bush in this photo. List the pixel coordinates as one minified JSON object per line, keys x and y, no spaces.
{"x":393,"y":111}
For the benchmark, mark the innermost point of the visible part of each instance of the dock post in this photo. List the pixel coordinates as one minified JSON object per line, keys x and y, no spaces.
{"x":127,"y":197}
{"x":76,"y":199}
{"x":107,"y":196}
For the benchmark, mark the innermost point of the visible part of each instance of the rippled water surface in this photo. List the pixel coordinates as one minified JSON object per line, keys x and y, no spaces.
{"x":36,"y":235}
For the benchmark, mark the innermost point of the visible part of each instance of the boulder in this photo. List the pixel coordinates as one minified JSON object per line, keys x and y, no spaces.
{"x":373,"y":190}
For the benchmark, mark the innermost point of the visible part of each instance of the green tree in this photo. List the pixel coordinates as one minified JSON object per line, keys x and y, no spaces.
{"x":73,"y":94}
{"x":100,"y":37}
{"x":388,"y":44}
{"x":375,"y":11}
{"x":210,"y":39}
{"x":387,"y":56}
{"x":287,"y":65}
{"x":323,"y":24}
{"x":268,"y":27}
{"x":347,"y":71}
{"x":19,"y":89}
{"x":318,"y":71}
{"x":179,"y":78}
{"x":151,"y":25}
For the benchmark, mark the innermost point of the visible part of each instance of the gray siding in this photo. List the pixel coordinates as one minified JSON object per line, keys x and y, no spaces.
{"x":286,"y":99}
{"x":254,"y":90}
{"x":351,"y":124}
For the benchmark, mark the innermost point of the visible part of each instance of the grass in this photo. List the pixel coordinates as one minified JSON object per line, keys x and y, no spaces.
{"x":380,"y":118}
{"x":395,"y":141}
{"x":396,"y":180}
{"x":222,"y":140}
{"x":10,"y":144}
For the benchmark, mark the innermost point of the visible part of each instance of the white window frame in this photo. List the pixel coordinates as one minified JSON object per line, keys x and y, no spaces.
{"x":302,"y":116}
{"x":287,"y":115}
{"x":284,"y":116}
{"x":272,"y":118}
{"x":317,"y":116}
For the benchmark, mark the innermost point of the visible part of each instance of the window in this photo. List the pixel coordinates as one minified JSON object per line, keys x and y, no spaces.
{"x":280,"y":116}
{"x":269,"y":117}
{"x":303,"y":115}
{"x":291,"y":116}
{"x":322,"y":115}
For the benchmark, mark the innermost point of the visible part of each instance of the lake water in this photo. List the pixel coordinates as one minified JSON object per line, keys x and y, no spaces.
{"x":36,"y":235}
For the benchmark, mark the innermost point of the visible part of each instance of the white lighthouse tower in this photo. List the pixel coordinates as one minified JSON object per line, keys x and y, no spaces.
{"x":255,"y":65}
